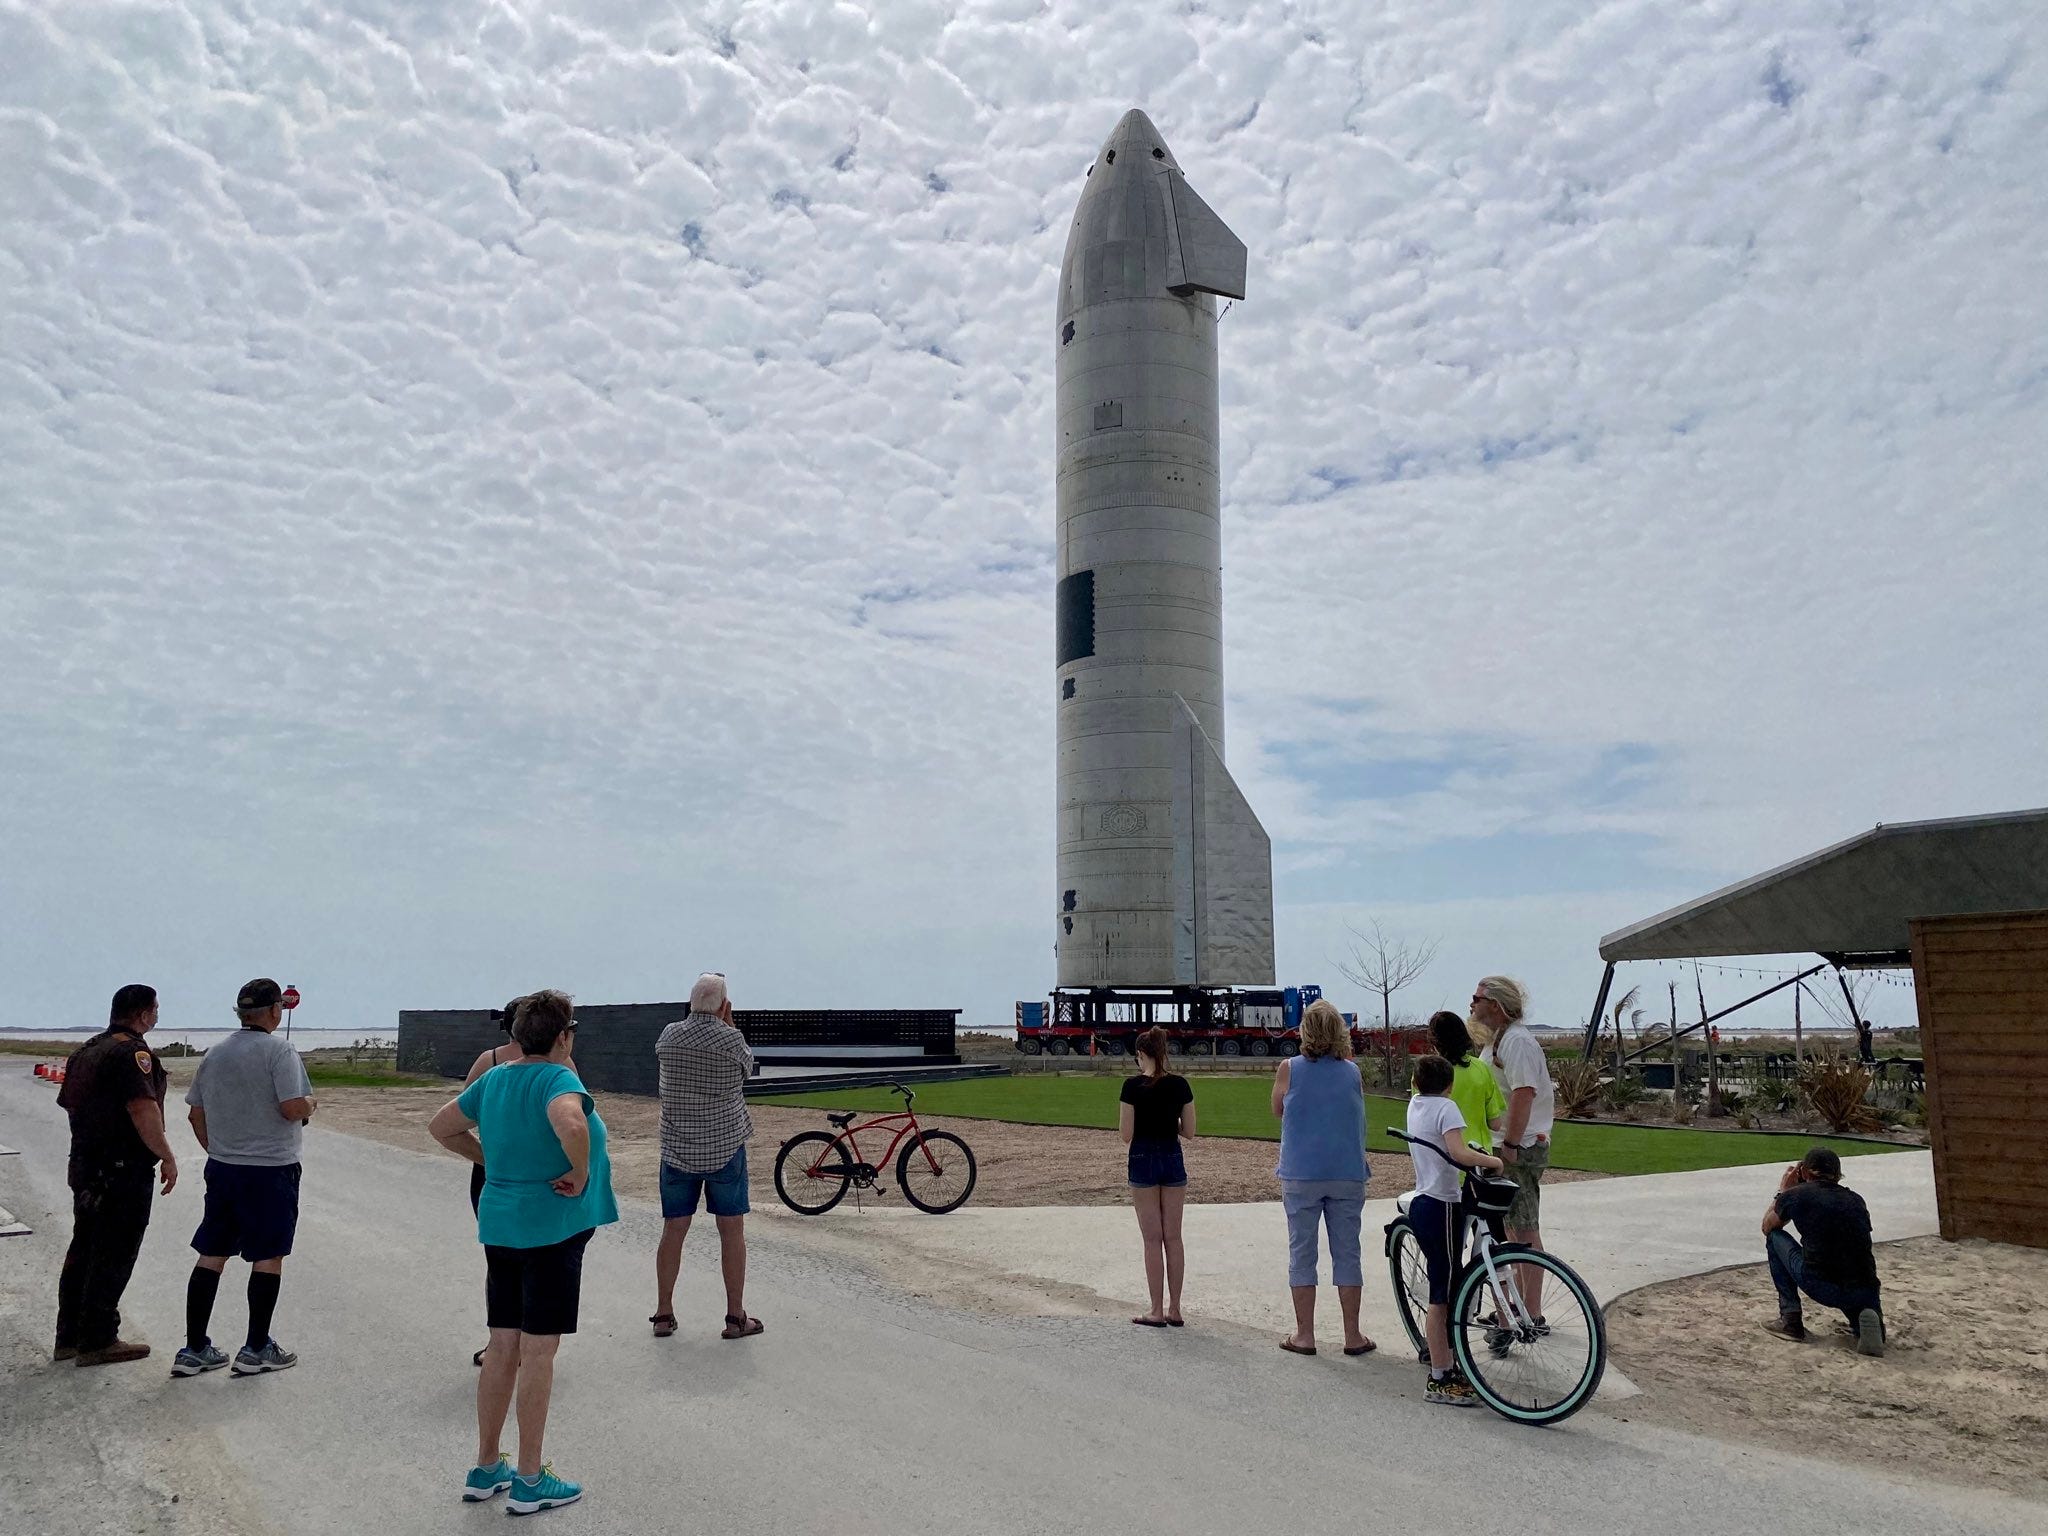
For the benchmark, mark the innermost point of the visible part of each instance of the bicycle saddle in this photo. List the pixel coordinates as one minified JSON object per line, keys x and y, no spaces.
{"x":842,"y":1121}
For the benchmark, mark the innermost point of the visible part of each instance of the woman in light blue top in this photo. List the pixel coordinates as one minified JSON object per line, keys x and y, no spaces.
{"x":547,"y":1187}
{"x":1320,"y":1099}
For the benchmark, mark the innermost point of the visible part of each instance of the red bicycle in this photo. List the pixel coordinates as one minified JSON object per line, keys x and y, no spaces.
{"x":935,"y":1168}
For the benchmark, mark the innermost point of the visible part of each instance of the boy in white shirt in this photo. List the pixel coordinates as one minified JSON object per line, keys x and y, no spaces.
{"x":1433,"y":1213}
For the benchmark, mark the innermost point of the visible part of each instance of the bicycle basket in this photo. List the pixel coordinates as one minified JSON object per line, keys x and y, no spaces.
{"x":1488,"y":1195}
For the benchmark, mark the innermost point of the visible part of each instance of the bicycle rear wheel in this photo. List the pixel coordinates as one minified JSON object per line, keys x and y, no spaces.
{"x":811,"y":1173}
{"x":936,"y":1170}
{"x":1531,"y":1373}
{"x":1410,"y":1274}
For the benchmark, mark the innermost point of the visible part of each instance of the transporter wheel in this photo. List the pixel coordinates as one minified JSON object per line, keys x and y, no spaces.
{"x":1059,"y":1046}
{"x":811,"y":1174}
{"x":936,"y":1172}
{"x":1112,"y":1045}
{"x":1229,"y":1048}
{"x":1257,"y":1048}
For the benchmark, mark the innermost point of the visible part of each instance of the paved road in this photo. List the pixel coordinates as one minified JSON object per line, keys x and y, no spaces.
{"x":863,"y":1408}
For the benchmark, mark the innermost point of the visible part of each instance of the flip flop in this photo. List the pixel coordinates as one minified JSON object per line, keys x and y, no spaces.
{"x":664,"y":1324}
{"x":1150,"y":1322}
{"x":477,"y":1359}
{"x":742,"y":1327}
{"x":1297,"y":1349}
{"x":1364,"y":1349}
{"x":1176,"y":1322}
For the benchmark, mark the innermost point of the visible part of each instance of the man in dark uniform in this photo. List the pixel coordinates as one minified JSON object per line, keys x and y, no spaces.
{"x":114,"y":1092}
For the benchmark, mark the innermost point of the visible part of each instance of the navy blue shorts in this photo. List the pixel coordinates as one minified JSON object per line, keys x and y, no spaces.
{"x":1157,"y":1165}
{"x":251,"y":1213}
{"x":724,"y":1193}
{"x":1437,"y":1228}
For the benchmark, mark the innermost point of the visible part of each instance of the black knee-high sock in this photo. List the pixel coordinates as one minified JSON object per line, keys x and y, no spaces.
{"x":199,"y":1293}
{"x":262,"y":1302}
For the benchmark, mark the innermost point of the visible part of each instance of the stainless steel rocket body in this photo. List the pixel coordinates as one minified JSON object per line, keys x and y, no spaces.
{"x":1140,"y":597}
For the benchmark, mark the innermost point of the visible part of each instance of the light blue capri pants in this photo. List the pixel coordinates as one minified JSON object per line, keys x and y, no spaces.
{"x":1338,"y":1204}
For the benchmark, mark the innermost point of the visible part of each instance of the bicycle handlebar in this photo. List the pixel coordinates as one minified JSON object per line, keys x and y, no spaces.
{"x":896,"y":1087}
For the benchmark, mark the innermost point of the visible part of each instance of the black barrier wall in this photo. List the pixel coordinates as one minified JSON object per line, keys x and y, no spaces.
{"x":615,"y":1041}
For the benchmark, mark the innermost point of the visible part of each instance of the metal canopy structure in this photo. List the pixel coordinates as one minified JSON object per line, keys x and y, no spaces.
{"x":1851,"y":903}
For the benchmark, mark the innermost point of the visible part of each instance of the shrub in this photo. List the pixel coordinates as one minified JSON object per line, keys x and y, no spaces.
{"x":1624,"y":1091}
{"x":1835,"y":1087}
{"x":1733,"y":1102}
{"x":1577,"y":1084}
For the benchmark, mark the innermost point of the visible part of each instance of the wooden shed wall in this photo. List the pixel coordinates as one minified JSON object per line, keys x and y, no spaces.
{"x":1983,"y":996}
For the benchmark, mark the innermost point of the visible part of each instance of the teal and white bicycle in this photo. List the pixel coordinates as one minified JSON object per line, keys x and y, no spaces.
{"x":1525,"y":1328}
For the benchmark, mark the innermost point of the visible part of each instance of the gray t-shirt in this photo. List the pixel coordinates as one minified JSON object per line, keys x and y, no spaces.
{"x":239,"y":1085}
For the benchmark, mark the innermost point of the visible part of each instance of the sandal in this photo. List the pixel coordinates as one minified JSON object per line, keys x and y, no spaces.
{"x":1297,"y":1349}
{"x":1151,"y":1322}
{"x":477,"y":1359}
{"x":742,"y":1327}
{"x":1364,"y":1349}
{"x":664,"y":1324}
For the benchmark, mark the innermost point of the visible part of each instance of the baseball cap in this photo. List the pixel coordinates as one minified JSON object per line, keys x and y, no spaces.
{"x":1823,"y":1161}
{"x":257,"y":994}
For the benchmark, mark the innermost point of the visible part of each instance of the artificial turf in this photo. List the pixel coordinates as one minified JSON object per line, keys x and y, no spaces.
{"x":1239,"y":1105}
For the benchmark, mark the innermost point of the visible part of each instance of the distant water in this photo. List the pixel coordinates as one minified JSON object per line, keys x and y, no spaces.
{"x":302,"y":1039}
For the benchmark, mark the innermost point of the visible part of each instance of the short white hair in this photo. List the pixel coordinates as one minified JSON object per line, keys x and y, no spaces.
{"x":708,"y":995}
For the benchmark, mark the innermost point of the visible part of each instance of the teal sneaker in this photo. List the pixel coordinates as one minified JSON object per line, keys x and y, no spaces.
{"x":487,"y":1482}
{"x":545,"y":1492}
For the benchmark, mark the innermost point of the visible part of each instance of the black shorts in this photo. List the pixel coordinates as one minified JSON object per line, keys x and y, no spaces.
{"x":1437,"y":1227}
{"x":535,"y":1290}
{"x":250,"y":1212}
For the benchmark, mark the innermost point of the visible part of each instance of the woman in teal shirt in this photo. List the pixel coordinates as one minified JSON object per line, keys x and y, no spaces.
{"x":547,"y":1187}
{"x":1474,"y":1088}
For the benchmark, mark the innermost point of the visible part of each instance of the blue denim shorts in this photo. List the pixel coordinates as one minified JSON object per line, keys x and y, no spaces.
{"x":1157,"y":1165}
{"x":724,"y":1192}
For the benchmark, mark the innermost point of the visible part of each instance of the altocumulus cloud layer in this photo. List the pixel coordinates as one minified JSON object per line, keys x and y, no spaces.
{"x":500,"y":493}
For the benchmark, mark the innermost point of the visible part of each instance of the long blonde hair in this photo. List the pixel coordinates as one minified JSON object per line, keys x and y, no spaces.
{"x":1324,"y":1032}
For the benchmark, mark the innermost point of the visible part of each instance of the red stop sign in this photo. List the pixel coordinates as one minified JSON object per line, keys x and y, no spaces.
{"x":290,"y":998}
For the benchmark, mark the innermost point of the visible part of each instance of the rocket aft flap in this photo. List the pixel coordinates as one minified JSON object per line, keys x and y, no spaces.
{"x":1165,"y":875}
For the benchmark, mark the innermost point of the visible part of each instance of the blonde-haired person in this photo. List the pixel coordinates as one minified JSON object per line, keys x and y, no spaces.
{"x":1498,"y":1006}
{"x":1319,"y":1098}
{"x":1157,"y":1110}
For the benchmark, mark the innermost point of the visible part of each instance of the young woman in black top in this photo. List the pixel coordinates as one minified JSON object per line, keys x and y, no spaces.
{"x":484,"y":1062}
{"x":1158,"y":1109}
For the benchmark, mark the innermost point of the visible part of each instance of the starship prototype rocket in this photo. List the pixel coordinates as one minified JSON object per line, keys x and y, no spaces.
{"x":1165,"y":875}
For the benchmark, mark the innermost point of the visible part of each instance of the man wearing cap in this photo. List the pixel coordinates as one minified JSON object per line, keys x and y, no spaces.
{"x":114,"y":1093}
{"x":1831,"y":1259}
{"x":704,"y":1067}
{"x":249,"y":1104}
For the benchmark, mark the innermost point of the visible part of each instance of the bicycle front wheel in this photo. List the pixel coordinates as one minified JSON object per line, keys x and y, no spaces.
{"x":1410,"y":1272}
{"x":936,"y":1170}
{"x":1531,"y":1372}
{"x":811,"y":1173}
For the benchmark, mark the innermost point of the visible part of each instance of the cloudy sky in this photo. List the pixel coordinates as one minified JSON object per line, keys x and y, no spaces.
{"x":496,"y":494}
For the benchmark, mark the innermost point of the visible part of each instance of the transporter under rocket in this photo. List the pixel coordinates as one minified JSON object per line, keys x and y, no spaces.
{"x":1165,"y":875}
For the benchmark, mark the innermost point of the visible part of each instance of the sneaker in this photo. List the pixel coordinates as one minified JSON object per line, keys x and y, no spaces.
{"x":1450,"y":1391}
{"x":1869,"y":1332}
{"x":1787,"y":1325}
{"x":545,"y":1492}
{"x":271,"y":1357}
{"x":1499,"y":1340}
{"x":194,"y":1362}
{"x":487,"y":1482}
{"x":120,"y":1352}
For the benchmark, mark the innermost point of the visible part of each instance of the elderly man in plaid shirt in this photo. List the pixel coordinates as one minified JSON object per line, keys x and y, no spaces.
{"x":705,"y":1065}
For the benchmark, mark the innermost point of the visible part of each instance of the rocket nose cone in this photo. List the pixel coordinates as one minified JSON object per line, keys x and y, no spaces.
{"x":1135,"y":138}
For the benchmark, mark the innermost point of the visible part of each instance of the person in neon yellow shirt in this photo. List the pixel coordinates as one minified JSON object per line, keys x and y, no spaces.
{"x":1474,"y":1088}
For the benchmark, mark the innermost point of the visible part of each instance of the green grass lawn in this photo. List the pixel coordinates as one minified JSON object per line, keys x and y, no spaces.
{"x":364,"y":1074}
{"x":1240,"y":1106}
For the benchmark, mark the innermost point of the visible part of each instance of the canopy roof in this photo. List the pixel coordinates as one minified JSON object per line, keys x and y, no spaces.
{"x":1854,"y":900}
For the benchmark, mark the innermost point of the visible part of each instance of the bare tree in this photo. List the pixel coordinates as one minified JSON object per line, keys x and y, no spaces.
{"x":1626,"y":1005}
{"x":1383,"y":963}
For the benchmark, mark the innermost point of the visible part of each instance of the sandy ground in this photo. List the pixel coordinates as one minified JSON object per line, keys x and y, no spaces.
{"x":1019,"y":1165}
{"x":1961,"y":1393}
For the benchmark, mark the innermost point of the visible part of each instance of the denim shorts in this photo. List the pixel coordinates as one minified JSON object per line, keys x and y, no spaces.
{"x":724,"y":1192}
{"x":1157,"y":1165}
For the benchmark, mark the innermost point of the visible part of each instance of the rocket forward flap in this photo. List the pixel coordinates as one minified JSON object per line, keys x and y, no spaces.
{"x":1202,"y":255}
{"x":1222,"y":869}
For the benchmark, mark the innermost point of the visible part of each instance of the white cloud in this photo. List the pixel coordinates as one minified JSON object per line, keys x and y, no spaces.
{"x":500,"y":492}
